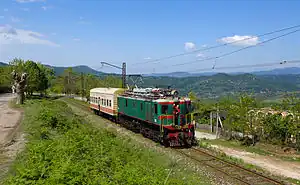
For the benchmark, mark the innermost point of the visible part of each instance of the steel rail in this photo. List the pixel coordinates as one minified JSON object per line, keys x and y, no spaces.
{"x":237,"y":166}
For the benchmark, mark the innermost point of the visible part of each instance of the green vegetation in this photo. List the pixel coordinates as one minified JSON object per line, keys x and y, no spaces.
{"x":246,"y":115}
{"x":270,"y":87}
{"x":42,"y":79}
{"x":62,"y":148}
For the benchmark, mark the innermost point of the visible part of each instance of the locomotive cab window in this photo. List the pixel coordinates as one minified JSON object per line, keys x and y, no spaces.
{"x":189,"y":108}
{"x":155,"y":108}
{"x":164,"y":109}
{"x":126,"y":103}
{"x":141,"y":106}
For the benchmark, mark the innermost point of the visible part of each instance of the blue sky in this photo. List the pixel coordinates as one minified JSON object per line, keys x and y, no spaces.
{"x":86,"y":32}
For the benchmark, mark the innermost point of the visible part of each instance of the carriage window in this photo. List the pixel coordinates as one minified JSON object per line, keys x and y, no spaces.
{"x":141,"y":106}
{"x":110,"y":103}
{"x":164,"y":109}
{"x":155,"y":108}
{"x":102,"y":102}
{"x":107,"y":102}
{"x":126,"y":102}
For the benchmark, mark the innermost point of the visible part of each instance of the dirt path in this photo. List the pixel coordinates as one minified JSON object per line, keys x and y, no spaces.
{"x":201,"y":135}
{"x":11,"y":140}
{"x":9,"y":119}
{"x":271,"y":164}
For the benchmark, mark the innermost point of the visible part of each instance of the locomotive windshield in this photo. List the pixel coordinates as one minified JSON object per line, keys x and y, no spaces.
{"x":164,"y":109}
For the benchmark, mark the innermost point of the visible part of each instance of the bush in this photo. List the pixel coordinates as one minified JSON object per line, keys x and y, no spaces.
{"x":61,"y":150}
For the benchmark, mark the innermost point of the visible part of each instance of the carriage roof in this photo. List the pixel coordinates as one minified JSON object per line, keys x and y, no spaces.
{"x":105,"y":90}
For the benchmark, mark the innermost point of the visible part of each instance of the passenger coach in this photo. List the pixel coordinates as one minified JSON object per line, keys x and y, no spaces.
{"x":104,"y":100}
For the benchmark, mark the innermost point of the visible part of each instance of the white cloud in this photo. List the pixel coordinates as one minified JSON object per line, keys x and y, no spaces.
{"x":10,"y":35}
{"x":189,"y":46}
{"x":25,"y":9}
{"x":76,"y":39}
{"x":46,"y":7}
{"x":204,"y":46}
{"x":246,"y":40}
{"x":147,"y":58}
{"x":82,"y":21}
{"x":15,"y":19}
{"x":200,"y":55}
{"x":29,"y":1}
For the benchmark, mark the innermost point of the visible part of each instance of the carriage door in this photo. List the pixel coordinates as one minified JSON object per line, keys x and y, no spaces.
{"x":148,"y":111}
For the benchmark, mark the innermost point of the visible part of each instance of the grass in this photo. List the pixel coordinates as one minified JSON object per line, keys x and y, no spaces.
{"x":63,"y":148}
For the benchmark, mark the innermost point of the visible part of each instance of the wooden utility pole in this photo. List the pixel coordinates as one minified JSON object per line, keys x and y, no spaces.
{"x":210,"y":122}
{"x":82,"y":85}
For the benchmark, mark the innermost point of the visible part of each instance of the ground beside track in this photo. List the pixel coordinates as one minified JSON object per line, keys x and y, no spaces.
{"x":94,"y":119}
{"x":270,"y":158}
{"x":64,"y":147}
{"x":237,"y":156}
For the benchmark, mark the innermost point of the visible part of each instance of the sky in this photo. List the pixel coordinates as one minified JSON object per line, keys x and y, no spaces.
{"x":87,"y":32}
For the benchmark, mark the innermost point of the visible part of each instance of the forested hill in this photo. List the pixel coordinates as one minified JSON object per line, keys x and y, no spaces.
{"x":214,"y":85}
{"x":78,"y":69}
{"x":224,"y":84}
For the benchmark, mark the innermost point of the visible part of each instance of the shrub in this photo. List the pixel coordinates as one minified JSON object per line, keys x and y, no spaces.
{"x":64,"y":151}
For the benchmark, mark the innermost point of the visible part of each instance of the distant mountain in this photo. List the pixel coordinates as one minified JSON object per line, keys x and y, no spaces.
{"x":3,"y":64}
{"x":78,"y":69}
{"x":179,"y":74}
{"x":281,"y":71}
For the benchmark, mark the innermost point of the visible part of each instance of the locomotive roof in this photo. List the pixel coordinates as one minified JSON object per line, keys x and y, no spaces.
{"x":169,"y":99}
{"x":105,"y":90}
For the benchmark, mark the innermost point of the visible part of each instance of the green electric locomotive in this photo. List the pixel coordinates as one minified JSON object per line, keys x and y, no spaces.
{"x":159,"y":114}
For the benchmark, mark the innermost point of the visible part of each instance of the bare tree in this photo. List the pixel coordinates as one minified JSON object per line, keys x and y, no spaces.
{"x":20,"y":85}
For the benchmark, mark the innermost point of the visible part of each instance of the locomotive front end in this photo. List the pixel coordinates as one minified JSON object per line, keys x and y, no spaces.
{"x":181,"y":131}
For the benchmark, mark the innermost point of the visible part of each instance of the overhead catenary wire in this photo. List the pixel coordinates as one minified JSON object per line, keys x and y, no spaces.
{"x":247,"y":66}
{"x":235,"y":51}
{"x":216,"y":46}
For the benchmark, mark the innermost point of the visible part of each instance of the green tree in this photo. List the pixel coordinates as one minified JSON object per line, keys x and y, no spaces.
{"x":35,"y":77}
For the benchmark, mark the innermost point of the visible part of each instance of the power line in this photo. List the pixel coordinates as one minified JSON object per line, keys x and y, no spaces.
{"x":238,"y":50}
{"x":217,"y":46}
{"x":248,"y":66}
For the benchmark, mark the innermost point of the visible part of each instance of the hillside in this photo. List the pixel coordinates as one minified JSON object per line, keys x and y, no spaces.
{"x":279,"y":71}
{"x":262,"y":83}
{"x":3,"y":64}
{"x":78,"y":69}
{"x":224,"y":84}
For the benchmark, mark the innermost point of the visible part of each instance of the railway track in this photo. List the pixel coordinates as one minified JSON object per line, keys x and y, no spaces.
{"x":232,"y":170}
